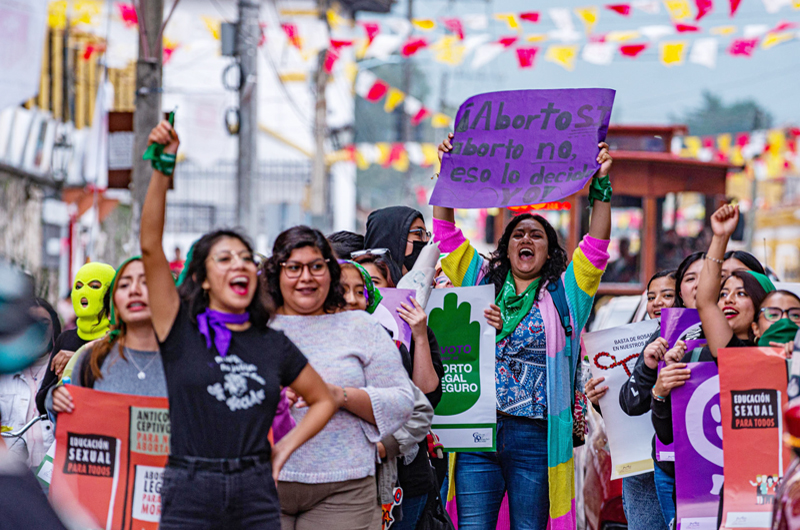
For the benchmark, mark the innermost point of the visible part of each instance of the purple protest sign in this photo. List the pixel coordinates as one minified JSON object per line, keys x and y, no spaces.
{"x":696,"y":418}
{"x":682,"y":324}
{"x":387,"y":315}
{"x":522,"y":147}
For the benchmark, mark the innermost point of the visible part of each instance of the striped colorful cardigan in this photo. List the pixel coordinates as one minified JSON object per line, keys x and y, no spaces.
{"x":465,"y":267}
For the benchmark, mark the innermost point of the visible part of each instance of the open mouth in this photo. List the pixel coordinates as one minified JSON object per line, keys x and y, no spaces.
{"x":730,"y":312}
{"x":136,"y":306}
{"x":240,"y":285}
{"x":657,"y":312}
{"x":526,"y":254}
{"x":84,"y":303}
{"x":306,"y":291}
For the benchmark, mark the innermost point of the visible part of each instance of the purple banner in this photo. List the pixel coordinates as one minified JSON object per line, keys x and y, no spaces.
{"x":696,"y":423}
{"x":682,"y":324}
{"x":387,"y":314}
{"x":522,"y":147}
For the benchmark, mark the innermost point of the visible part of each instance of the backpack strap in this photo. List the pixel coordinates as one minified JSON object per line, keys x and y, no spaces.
{"x":696,"y":354}
{"x":559,"y":295}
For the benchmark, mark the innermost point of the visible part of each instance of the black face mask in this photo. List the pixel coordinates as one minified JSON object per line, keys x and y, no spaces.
{"x":411,"y":259}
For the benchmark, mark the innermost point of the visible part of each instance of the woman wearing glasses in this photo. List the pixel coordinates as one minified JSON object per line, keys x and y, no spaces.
{"x":224,"y":368}
{"x":328,"y":482}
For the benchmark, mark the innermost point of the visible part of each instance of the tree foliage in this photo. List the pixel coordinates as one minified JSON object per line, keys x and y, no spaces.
{"x":714,"y":116}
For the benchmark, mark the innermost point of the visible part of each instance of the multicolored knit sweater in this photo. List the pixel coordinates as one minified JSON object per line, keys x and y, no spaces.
{"x":465,"y":267}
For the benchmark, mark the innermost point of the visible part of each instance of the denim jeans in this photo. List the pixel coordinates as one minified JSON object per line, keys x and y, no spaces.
{"x":412,"y":511}
{"x":641,"y":503}
{"x":519,"y":467}
{"x":210,"y":494}
{"x":665,"y":489}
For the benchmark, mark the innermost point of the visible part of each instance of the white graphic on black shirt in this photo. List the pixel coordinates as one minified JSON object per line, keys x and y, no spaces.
{"x":235,"y":392}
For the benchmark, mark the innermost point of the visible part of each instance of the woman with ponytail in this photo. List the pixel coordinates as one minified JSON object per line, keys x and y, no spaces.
{"x":126,"y":360}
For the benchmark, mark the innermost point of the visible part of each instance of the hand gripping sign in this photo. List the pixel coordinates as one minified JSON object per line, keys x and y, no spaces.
{"x":523,"y":147}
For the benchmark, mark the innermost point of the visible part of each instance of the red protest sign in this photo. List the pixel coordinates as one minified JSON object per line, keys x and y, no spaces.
{"x":110,"y":457}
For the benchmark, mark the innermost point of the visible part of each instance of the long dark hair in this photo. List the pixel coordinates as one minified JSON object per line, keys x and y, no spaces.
{"x":380,"y":263}
{"x":680,"y":272}
{"x":56,"y":323}
{"x":500,"y":264}
{"x":300,"y":237}
{"x":661,"y":274}
{"x":747,"y":259}
{"x":191,"y":290}
{"x":754,"y":290}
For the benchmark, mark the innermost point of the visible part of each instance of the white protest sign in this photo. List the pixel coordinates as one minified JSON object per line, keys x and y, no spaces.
{"x":466,"y":418}
{"x":22,"y":31}
{"x":612,"y":354}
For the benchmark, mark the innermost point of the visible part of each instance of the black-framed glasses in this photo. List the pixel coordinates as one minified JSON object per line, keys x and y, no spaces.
{"x":370,"y":251}
{"x":421,"y":233}
{"x":294,"y":269}
{"x":773,"y":314}
{"x":225,"y":258}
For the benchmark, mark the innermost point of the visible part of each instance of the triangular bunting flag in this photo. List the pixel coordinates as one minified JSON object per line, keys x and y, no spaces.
{"x":425,"y":24}
{"x":672,"y":52}
{"x":448,"y":50}
{"x":773,"y":6}
{"x":371,"y":29}
{"x":292,"y":35}
{"x":632,"y":50}
{"x":377,"y":91}
{"x":754,"y":30}
{"x":525,"y":56}
{"x":588,"y":16}
{"x":651,"y":7}
{"x":507,"y":41}
{"x":743,"y":47}
{"x":383,"y":46}
{"x":485,"y":54}
{"x":622,"y":36}
{"x":412,"y":46}
{"x":565,"y":29}
{"x":723,"y":30}
{"x":563,"y":56}
{"x":454,"y":26}
{"x":538,"y":37}
{"x":678,"y":9}
{"x":686,"y":28}
{"x":394,"y":97}
{"x":530,"y":16}
{"x":734,"y":6}
{"x":476,"y":22}
{"x":704,"y":52}
{"x":598,"y":53}
{"x":364,"y":82}
{"x":508,"y":18}
{"x":773,"y":39}
{"x":622,"y":9}
{"x":704,"y":7}
{"x":658,"y":32}
{"x":439,"y":121}
{"x":127,"y":12}
{"x":784,"y":25}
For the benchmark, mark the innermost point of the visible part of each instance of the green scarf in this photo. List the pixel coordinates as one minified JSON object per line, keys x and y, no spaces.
{"x":372,"y":294}
{"x":115,"y":331}
{"x":513,"y":306}
{"x":781,"y":332}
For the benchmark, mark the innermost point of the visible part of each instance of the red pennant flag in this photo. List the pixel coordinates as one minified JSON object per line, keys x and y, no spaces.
{"x":686,"y":28}
{"x":455,"y":26}
{"x":292,"y":34}
{"x":704,"y":7}
{"x":507,"y":41}
{"x":742,"y":139}
{"x":783,"y":26}
{"x":530,"y":16}
{"x":743,"y":47}
{"x":351,"y":152}
{"x":421,"y":115}
{"x":127,"y":13}
{"x":377,"y":91}
{"x":632,"y":50}
{"x":412,"y":46}
{"x":88,"y":51}
{"x":339,"y":44}
{"x":525,"y":56}
{"x":622,"y":9}
{"x":331,"y":57}
{"x":371,"y":29}
{"x":167,"y":52}
{"x":734,"y":6}
{"x":396,"y":153}
{"x":597,"y":37}
{"x":708,"y":142}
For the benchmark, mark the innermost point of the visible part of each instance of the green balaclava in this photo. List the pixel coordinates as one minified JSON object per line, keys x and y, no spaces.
{"x":113,"y":318}
{"x":91,"y":283}
{"x":780,"y":332}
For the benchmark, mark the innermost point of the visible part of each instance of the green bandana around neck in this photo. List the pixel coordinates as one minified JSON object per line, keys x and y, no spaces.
{"x":185,"y":272}
{"x":513,"y":306}
{"x":763,"y":280}
{"x":781,"y":332}
{"x":115,"y":331}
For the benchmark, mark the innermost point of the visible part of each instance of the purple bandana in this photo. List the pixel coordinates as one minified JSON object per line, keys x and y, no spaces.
{"x":217,"y":321}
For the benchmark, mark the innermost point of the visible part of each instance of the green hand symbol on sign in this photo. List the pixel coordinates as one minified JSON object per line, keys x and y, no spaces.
{"x":459,"y":341}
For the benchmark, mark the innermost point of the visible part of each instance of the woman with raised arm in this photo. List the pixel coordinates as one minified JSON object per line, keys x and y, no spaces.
{"x":224,"y":369}
{"x":537,"y":358}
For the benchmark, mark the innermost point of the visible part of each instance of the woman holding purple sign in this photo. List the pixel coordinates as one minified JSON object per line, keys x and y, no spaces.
{"x":542,"y":304}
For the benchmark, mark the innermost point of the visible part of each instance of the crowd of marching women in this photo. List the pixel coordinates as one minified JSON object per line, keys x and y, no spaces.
{"x":292,"y":407}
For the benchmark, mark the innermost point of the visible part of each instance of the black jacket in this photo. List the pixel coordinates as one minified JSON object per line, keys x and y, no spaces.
{"x":634,"y":395}
{"x":69,"y":341}
{"x":388,"y":228}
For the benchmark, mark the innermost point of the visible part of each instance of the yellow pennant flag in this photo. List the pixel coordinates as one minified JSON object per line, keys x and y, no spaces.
{"x":425,"y":24}
{"x":678,"y":9}
{"x":736,"y":157}
{"x":672,"y":52}
{"x":350,"y":71}
{"x":622,"y":36}
{"x":693,"y":145}
{"x":393,"y":98}
{"x":361,"y":46}
{"x":85,"y":12}
{"x":724,"y":143}
{"x":431,"y":154}
{"x":773,"y":39}
{"x":440,"y":121}
{"x":796,"y":4}
{"x":776,"y":139}
{"x":213,"y":26}
{"x":334,"y":19}
{"x":723,"y":30}
{"x":361,"y":161}
{"x":588,"y":16}
{"x":401,"y":162}
{"x":384,"y":150}
{"x":562,"y":55}
{"x":538,"y":37}
{"x":57,"y":14}
{"x":448,"y":50}
{"x":508,"y":18}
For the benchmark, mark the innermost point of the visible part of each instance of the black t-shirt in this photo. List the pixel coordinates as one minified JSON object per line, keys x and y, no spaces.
{"x":69,"y":341}
{"x":223,"y":407}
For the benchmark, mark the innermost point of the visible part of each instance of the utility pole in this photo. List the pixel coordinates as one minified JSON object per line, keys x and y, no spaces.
{"x":148,"y":101}
{"x":248,"y":35}
{"x":319,"y":172}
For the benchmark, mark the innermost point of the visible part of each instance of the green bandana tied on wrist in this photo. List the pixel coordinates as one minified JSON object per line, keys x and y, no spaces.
{"x":600,"y":189}
{"x":159,"y":160}
{"x":514,"y":307}
{"x":781,"y":332}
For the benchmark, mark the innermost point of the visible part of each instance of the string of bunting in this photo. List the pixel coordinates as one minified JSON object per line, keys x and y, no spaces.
{"x":398,"y":155}
{"x":369,"y":87}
